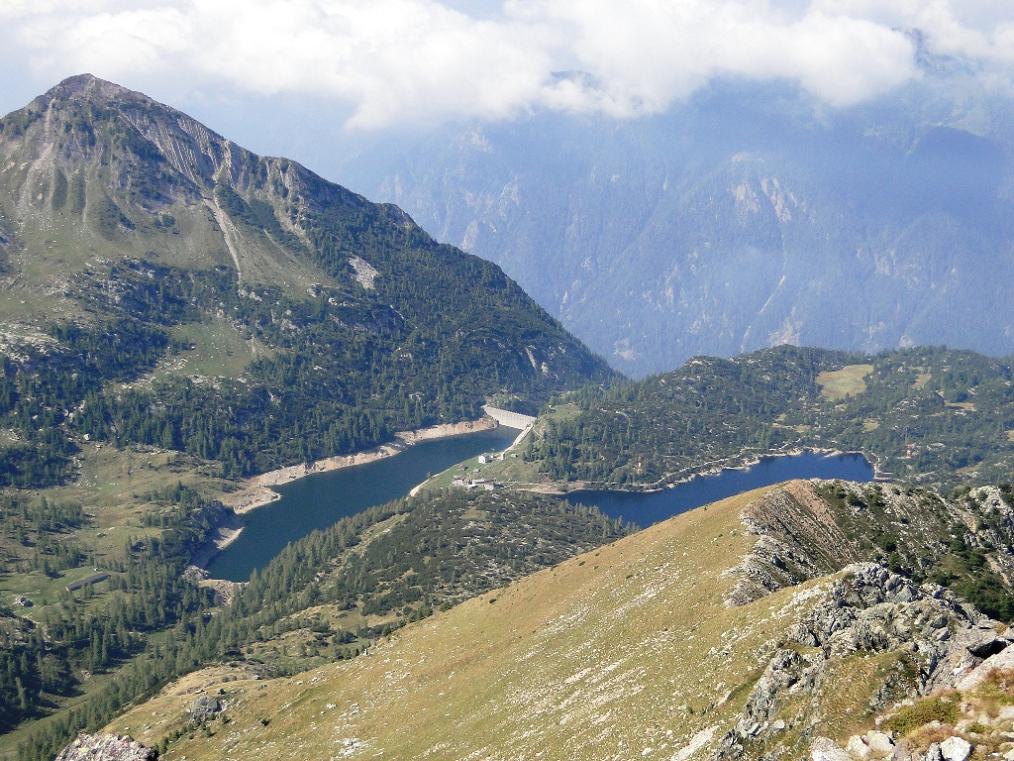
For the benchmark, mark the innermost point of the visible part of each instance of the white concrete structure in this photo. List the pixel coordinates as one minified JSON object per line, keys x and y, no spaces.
{"x":509,"y":418}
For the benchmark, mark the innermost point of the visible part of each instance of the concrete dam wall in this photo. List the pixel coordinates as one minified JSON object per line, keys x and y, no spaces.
{"x":509,"y":418}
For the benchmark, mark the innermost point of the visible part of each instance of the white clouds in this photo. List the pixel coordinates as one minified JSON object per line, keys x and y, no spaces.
{"x":649,"y":52}
{"x":422,"y":60}
{"x":982,"y":30}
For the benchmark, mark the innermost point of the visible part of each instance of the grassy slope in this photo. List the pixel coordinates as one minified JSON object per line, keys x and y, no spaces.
{"x":113,"y":486}
{"x":838,"y":384}
{"x":623,"y":651}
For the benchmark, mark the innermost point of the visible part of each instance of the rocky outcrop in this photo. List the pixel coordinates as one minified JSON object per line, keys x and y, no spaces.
{"x":808,"y":529}
{"x":204,"y":708}
{"x":991,"y":523}
{"x":881,"y":746}
{"x":106,"y":748}
{"x":867,"y":610}
{"x":797,"y":539}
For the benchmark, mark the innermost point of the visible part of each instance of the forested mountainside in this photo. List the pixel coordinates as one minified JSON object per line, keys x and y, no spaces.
{"x":926,"y":415}
{"x":163,"y":286}
{"x":746,"y":217}
{"x":176,"y":313}
{"x":326,"y":597}
{"x":753,"y":628}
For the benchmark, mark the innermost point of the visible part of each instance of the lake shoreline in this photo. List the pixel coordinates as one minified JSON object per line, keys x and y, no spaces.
{"x":562,"y":489}
{"x":644,"y":509}
{"x":256,"y":491}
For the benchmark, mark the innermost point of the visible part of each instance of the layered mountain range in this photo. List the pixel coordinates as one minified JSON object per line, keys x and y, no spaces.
{"x":746,"y":217}
{"x":177,"y":313}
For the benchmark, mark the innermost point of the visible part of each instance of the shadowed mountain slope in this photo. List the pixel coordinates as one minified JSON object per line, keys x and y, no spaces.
{"x":745,"y":217}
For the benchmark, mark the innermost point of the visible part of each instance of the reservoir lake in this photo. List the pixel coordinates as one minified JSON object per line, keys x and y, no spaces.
{"x":317,"y":501}
{"x":646,"y":508}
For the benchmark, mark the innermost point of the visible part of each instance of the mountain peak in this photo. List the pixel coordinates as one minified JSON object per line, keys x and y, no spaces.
{"x":134,"y":141}
{"x":89,"y":87}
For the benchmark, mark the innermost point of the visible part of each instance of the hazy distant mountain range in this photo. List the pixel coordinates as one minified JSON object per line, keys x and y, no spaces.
{"x":178,"y":313}
{"x":746,"y":217}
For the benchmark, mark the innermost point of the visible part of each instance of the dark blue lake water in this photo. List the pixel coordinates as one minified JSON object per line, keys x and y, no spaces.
{"x":646,"y":508}
{"x":319,"y":500}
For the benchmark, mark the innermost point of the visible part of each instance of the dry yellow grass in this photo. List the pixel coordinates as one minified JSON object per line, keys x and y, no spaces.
{"x":627,"y":651}
{"x":967,"y":406}
{"x":848,"y":381}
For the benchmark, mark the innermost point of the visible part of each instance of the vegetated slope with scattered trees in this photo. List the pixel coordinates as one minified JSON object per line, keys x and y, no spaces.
{"x":134,"y":228}
{"x":332,"y":593}
{"x":926,"y":415}
{"x":166,"y":295}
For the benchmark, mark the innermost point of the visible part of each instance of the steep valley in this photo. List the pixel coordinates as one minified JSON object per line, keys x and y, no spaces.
{"x":744,"y":217}
{"x":178,"y":314}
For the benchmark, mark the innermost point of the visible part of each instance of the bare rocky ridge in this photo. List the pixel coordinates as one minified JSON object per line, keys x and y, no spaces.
{"x":868,"y":611}
{"x":808,"y":529}
{"x":100,"y":747}
{"x":112,"y":162}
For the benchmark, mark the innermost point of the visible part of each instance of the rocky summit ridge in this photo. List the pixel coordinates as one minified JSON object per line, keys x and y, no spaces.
{"x":107,"y":165}
{"x":95,"y":177}
{"x":119,"y":214}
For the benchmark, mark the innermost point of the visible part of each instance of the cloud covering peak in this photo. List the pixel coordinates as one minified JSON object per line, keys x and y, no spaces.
{"x":397,"y":61}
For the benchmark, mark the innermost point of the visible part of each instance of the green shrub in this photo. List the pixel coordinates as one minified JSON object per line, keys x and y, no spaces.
{"x":910,"y":718}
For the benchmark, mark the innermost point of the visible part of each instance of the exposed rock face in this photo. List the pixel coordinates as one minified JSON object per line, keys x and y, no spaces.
{"x":868,"y":610}
{"x":955,"y":749}
{"x":204,"y":707}
{"x":992,"y":522}
{"x":797,"y":539}
{"x":708,"y":231}
{"x":1001,"y":661}
{"x":824,"y":749}
{"x":809,"y":529}
{"x":106,"y":748}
